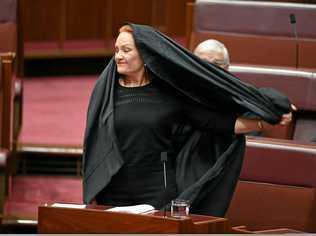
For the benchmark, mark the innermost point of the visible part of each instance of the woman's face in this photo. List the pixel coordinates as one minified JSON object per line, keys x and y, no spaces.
{"x":127,"y":57}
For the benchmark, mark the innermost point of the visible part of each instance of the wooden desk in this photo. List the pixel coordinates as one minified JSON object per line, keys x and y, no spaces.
{"x":94,"y":219}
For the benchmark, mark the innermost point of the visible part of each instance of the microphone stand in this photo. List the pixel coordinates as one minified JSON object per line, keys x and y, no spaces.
{"x":164,"y":159}
{"x":294,"y":29}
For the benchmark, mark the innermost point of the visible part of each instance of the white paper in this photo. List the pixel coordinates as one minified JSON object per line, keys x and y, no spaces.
{"x":75,"y":206}
{"x":136,"y":209}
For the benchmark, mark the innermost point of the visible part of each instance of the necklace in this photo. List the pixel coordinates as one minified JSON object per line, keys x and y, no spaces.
{"x":125,"y":83}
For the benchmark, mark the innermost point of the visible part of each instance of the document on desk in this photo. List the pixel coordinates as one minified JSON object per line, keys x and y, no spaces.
{"x":136,"y":209}
{"x":64,"y":205}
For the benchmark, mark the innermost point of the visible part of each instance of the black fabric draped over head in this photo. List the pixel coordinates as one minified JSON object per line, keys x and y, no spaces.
{"x":207,"y":164}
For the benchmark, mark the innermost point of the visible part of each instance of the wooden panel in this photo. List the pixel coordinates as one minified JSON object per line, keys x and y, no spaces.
{"x":159,"y":14}
{"x":85,"y":21}
{"x":7,"y":82}
{"x":307,"y":52}
{"x":175,"y":18}
{"x":135,"y":11}
{"x":41,"y":19}
{"x":94,"y":219}
{"x":75,"y":19}
{"x":8,"y":37}
{"x":63,"y":28}
{"x":263,"y":206}
{"x":54,"y":220}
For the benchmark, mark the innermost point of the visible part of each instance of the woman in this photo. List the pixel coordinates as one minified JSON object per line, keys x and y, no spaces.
{"x":151,"y":89}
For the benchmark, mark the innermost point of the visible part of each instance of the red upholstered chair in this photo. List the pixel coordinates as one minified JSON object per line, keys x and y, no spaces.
{"x":277,"y":187}
{"x":257,"y":33}
{"x":298,"y":85}
{"x":263,"y":207}
{"x":305,"y":127}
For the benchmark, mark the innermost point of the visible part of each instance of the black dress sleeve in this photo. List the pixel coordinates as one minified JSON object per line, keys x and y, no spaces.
{"x":203,"y":118}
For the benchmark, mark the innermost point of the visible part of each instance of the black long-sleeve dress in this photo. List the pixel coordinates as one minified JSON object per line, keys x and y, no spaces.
{"x":145,"y":119}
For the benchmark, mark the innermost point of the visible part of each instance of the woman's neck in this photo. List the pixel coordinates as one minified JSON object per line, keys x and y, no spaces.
{"x":137,"y":80}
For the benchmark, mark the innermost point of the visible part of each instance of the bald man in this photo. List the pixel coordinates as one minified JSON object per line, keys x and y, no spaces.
{"x":214,"y":52}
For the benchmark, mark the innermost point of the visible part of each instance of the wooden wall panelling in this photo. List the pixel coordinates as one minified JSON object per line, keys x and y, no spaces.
{"x":75,"y":19}
{"x":85,"y":21}
{"x":158,"y":16}
{"x":307,"y":52}
{"x":135,"y":11}
{"x":108,"y":20}
{"x":42,"y":19}
{"x":189,"y":23}
{"x":175,"y":16}
{"x":51,"y":26}
{"x":20,"y":40}
{"x":7,"y":83}
{"x":62,"y":24}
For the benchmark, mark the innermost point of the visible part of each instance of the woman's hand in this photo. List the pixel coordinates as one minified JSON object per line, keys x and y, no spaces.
{"x":287,"y":118}
{"x":245,"y":125}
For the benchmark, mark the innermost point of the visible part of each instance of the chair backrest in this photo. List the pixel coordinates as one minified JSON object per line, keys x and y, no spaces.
{"x":277,"y":186}
{"x":8,"y":25}
{"x":257,"y":32}
{"x":286,"y":162}
{"x":262,"y":206}
{"x":298,"y":85}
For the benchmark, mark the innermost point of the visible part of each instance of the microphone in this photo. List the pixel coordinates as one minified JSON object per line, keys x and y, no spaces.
{"x":164,"y":159}
{"x":293,"y":23}
{"x":294,"y":29}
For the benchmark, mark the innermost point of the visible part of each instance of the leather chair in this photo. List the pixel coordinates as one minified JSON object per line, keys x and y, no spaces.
{"x":277,"y":187}
{"x":299,"y":86}
{"x":256,"y":33}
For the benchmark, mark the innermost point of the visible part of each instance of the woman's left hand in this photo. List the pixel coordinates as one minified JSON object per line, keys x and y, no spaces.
{"x":245,"y":125}
{"x":287,"y":118}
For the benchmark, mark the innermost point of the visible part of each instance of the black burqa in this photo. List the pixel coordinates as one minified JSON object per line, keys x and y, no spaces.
{"x":208,"y":165}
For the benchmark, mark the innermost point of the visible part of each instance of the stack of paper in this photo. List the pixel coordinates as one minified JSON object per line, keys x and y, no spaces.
{"x":64,"y":205}
{"x":136,"y":209}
